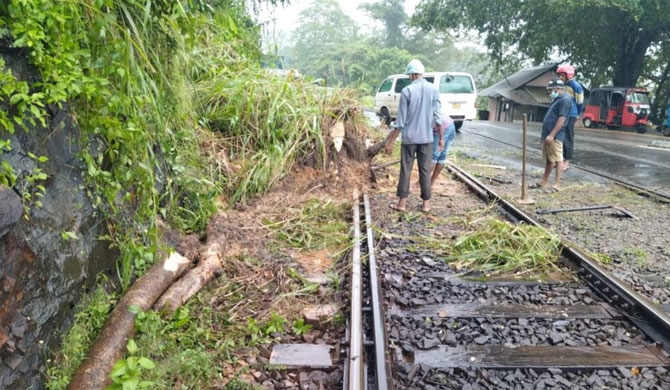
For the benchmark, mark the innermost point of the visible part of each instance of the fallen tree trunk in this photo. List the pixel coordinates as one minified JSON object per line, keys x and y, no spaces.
{"x":374,"y":150}
{"x":111,"y":343}
{"x":189,"y":285}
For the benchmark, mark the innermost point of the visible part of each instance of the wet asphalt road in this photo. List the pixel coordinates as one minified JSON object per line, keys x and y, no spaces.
{"x":641,"y":159}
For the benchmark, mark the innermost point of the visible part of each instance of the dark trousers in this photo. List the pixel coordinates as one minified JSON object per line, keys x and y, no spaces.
{"x":424,"y":156}
{"x":569,"y":141}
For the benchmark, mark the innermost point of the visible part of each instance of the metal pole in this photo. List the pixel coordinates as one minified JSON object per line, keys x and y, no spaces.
{"x":356,"y":342}
{"x":523,"y":174}
{"x":524,"y":197}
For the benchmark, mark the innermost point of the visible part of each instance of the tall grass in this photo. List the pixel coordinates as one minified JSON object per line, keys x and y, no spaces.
{"x":268,"y":123}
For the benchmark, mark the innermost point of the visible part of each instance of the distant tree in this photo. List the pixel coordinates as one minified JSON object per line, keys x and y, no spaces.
{"x":362,"y":65}
{"x":328,"y":45}
{"x":392,"y":14}
{"x":322,"y":29}
{"x":657,"y":71}
{"x":604,"y":39}
{"x":436,"y":48}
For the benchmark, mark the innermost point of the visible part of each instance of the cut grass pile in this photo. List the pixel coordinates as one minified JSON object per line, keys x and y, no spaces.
{"x":500,"y":247}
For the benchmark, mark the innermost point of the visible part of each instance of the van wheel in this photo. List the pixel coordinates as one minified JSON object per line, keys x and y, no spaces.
{"x":641,"y":129}
{"x":385,"y":116}
{"x":458,"y":125}
{"x":666,"y":131}
{"x":587,"y":123}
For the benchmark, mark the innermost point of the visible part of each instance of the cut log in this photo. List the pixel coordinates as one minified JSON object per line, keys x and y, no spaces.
{"x":183,"y":289}
{"x":111,"y":343}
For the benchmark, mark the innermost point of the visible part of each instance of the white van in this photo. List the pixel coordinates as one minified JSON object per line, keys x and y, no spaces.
{"x":458,"y":95}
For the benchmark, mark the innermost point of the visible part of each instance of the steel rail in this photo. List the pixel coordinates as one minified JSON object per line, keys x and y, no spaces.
{"x":656,"y":195}
{"x":655,"y":323}
{"x":355,"y":361}
{"x":382,"y":362}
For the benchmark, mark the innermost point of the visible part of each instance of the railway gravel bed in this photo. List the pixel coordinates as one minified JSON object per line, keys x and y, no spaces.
{"x":424,"y":297}
{"x":637,"y":247}
{"x":426,"y":378}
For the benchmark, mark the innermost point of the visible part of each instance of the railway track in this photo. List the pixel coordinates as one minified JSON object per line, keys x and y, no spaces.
{"x":422,"y":324}
{"x":659,"y":196}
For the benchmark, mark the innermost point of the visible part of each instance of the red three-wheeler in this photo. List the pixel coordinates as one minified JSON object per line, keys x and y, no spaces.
{"x":617,"y":107}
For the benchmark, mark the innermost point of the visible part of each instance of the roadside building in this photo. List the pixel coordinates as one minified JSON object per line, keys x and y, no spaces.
{"x":524,"y":92}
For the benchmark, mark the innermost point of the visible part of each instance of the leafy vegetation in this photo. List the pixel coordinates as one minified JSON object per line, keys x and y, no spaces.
{"x":127,"y":372}
{"x":200,"y":344}
{"x":193,"y":346}
{"x":329,"y":45}
{"x":175,"y":113}
{"x":146,"y":95}
{"x":266,"y":123}
{"x":120,"y":67}
{"x":494,"y":247}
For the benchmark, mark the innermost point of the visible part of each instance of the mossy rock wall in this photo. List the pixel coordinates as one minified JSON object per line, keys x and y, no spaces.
{"x":42,"y":274}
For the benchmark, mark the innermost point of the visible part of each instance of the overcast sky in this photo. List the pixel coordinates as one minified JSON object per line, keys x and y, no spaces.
{"x":286,"y":17}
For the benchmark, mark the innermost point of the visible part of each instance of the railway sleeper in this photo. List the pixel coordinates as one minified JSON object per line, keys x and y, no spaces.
{"x":541,"y":357}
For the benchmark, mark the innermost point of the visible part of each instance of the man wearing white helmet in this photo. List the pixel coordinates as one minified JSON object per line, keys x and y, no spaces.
{"x":418,"y":110}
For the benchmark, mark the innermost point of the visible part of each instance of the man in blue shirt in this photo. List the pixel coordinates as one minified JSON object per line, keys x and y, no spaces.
{"x":418,"y":110}
{"x":576,"y":93}
{"x":553,"y":131}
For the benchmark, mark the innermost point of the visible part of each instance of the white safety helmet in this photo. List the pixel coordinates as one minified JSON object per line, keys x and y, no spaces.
{"x":415,"y":67}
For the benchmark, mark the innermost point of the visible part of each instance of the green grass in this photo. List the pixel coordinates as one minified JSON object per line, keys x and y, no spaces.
{"x":266,"y":124}
{"x":636,"y":255}
{"x":89,"y":320}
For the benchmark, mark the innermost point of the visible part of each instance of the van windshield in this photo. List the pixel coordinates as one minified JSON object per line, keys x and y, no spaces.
{"x":456,"y":84}
{"x":641,"y":98}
